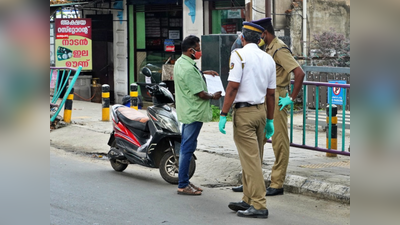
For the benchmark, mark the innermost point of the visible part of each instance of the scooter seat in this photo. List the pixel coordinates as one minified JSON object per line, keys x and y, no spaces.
{"x":133,"y":118}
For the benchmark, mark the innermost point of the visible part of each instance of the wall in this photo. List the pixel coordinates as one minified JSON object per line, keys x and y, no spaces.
{"x":322,"y":15}
{"x":278,"y":10}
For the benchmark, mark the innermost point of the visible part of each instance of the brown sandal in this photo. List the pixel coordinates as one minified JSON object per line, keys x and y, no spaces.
{"x":195,"y":187}
{"x":188,"y":190}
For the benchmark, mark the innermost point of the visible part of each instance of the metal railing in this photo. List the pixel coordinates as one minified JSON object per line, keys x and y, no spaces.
{"x":60,"y":84}
{"x":318,"y":85}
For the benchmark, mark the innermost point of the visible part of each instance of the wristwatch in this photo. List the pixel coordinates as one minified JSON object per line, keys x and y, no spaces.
{"x":223,"y":114}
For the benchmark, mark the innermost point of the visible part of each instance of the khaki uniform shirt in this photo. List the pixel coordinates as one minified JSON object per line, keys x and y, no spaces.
{"x":284,"y":60}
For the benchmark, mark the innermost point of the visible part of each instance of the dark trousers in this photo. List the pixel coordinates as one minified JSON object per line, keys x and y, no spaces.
{"x":190,"y":132}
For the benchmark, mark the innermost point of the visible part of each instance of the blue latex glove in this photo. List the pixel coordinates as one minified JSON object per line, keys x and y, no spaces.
{"x":269,"y":128}
{"x":284,"y":101}
{"x":222,"y":122}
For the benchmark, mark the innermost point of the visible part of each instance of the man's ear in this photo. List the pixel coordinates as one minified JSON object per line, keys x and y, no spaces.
{"x":265,"y":34}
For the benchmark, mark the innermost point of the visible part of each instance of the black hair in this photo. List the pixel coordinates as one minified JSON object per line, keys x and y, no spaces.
{"x":189,"y":42}
{"x":251,"y":36}
{"x":270,"y":29}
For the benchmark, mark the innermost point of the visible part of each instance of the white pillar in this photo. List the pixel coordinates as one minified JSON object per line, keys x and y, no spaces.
{"x":120,"y":55}
{"x":193,"y":21}
{"x":305,"y":28}
{"x":258,"y":9}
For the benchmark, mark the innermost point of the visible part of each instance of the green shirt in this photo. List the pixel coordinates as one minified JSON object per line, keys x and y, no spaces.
{"x":188,"y":83}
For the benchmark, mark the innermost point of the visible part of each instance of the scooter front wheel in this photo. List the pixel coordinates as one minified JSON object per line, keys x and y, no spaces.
{"x":169,"y":168}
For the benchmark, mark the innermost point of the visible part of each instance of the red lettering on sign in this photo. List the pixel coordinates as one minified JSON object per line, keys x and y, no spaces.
{"x":66,"y":42}
{"x":77,"y":53}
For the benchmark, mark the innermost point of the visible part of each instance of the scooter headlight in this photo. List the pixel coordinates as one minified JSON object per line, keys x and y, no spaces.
{"x":169,"y":124}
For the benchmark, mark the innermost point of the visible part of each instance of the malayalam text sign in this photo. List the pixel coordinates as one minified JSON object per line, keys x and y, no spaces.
{"x":337,"y":93}
{"x":73,"y":43}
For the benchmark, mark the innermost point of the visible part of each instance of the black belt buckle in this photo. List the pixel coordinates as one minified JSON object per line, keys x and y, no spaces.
{"x":242,"y":104}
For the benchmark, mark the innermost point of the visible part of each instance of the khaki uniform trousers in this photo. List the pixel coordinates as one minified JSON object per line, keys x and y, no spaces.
{"x":280,"y":141}
{"x":248,"y":134}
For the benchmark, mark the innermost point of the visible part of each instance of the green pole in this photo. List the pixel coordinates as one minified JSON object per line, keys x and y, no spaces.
{"x":344,"y":118}
{"x":330,"y":117}
{"x":304,"y":113}
{"x":67,"y":92}
{"x":316,"y":114}
{"x":291,"y":120}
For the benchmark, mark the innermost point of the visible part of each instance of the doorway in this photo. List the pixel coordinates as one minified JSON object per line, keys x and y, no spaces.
{"x":102,"y":47}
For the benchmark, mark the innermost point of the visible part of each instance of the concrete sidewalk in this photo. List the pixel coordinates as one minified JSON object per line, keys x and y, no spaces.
{"x":309,"y":172}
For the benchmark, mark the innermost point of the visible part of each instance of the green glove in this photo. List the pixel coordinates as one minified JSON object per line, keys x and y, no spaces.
{"x":222,"y":122}
{"x":284,"y":101}
{"x":269,"y":128}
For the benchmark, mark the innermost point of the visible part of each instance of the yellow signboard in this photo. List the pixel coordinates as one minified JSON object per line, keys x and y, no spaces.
{"x":73,"y":43}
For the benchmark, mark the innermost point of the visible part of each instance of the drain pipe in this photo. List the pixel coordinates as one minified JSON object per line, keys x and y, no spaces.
{"x":305,"y":28}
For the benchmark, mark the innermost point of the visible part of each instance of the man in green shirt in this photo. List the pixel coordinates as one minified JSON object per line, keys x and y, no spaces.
{"x":193,"y":107}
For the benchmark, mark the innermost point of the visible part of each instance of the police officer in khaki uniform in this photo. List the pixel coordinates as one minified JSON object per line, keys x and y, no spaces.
{"x":285,"y":64}
{"x":251,"y":85}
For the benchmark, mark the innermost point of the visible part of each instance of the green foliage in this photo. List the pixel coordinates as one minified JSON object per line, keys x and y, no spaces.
{"x":216,"y":111}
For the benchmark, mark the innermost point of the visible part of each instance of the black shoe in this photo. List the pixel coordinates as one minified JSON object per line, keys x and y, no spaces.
{"x":238,"y":188}
{"x":235,"y":206}
{"x":253,"y":213}
{"x":273,"y":191}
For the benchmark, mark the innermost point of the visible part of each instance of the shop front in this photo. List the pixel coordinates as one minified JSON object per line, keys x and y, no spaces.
{"x":155,"y":36}
{"x":226,"y":16}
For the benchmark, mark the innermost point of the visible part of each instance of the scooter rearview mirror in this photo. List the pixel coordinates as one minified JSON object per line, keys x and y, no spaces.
{"x":146,"y":71}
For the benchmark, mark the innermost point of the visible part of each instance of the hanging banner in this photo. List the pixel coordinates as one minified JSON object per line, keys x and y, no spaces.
{"x":73,"y":43}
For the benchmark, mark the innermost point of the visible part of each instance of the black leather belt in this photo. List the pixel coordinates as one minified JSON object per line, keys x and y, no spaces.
{"x":244,"y":104}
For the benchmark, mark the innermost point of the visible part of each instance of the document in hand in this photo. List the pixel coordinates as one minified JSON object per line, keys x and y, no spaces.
{"x":214,"y":84}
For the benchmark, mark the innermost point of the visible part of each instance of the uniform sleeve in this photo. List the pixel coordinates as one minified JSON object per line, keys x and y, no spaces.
{"x":193,"y":80}
{"x":235,"y":68}
{"x":272,"y":78}
{"x":286,"y":60}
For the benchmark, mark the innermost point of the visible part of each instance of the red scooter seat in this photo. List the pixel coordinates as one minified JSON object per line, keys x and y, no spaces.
{"x":133,"y":118}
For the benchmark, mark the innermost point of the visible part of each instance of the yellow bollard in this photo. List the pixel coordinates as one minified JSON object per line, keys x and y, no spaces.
{"x":134,"y":96}
{"x":105,"y":102}
{"x":333,"y":130}
{"x":68,"y":107}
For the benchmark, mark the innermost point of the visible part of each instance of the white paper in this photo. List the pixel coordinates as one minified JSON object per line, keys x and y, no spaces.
{"x":214,"y":84}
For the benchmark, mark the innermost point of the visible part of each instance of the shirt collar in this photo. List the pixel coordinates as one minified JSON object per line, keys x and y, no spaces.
{"x":251,"y":45}
{"x":275,"y":40}
{"x":190,"y":60}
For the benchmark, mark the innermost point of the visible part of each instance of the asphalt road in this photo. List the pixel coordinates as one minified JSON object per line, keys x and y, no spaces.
{"x":84,"y":190}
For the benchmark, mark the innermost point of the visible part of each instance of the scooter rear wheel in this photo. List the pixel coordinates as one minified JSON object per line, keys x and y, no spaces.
{"x":117,"y":166}
{"x":169,"y":168}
